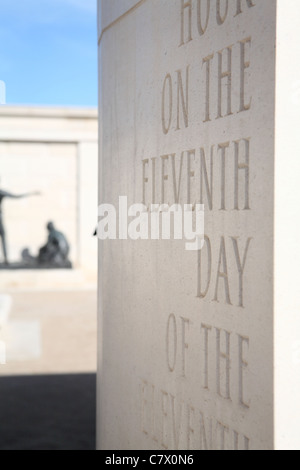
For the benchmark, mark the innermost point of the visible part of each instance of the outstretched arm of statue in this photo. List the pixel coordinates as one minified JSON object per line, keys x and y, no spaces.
{"x":18,"y":196}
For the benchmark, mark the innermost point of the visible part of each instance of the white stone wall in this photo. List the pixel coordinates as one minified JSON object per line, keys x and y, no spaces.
{"x":54,"y":151}
{"x":201,"y":350}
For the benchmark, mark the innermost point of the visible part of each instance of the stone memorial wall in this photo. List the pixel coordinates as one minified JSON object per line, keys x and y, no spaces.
{"x":187,"y":105}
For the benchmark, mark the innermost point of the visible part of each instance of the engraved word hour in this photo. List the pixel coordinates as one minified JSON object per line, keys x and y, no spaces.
{"x":197,"y":15}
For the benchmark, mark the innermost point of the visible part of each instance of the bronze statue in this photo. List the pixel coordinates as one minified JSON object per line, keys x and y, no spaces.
{"x":3,"y":195}
{"x":56,"y":250}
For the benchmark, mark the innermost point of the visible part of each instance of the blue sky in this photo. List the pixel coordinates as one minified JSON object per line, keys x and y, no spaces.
{"x":48,"y":51}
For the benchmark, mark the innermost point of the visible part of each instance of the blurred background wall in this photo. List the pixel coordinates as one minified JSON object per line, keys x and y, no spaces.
{"x":53,"y":151}
{"x":48,"y":317}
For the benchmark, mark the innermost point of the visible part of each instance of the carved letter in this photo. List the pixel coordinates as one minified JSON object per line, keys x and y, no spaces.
{"x":239,"y":6}
{"x":207,"y":61}
{"x":204,"y":177}
{"x":223,"y":431}
{"x":242,"y":167}
{"x":164,"y":409}
{"x":207,"y":330}
{"x":204,"y":444}
{"x":201,"y":294}
{"x":153,"y":180}
{"x":176,"y":188}
{"x":223,"y":273}
{"x":190,"y":174}
{"x":184,"y":5}
{"x":244,"y":66}
{"x":221,"y":75}
{"x":176,"y":422}
{"x":223,"y":148}
{"x":168,"y":81}
{"x":242,"y":366}
{"x":190,"y":429}
{"x":202,"y":29}
{"x":226,"y":357}
{"x":171,"y":364}
{"x":181,"y":99}
{"x":241,"y":267}
{"x":185,"y":345}
{"x":221,"y":19}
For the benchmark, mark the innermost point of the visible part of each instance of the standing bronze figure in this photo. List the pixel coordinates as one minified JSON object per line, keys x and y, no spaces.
{"x":3,"y":195}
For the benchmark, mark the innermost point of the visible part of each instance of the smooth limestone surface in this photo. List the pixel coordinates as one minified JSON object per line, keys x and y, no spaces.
{"x":45,"y":333}
{"x":187,"y":115}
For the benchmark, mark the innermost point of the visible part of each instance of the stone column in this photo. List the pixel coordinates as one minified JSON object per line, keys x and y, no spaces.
{"x":200,"y":349}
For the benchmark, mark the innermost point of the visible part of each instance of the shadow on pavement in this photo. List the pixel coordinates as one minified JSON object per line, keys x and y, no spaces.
{"x":48,"y":412}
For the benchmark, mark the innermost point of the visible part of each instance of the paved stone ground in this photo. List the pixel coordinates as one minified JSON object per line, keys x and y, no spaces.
{"x":49,"y":333}
{"x":47,"y":386}
{"x":48,"y":412}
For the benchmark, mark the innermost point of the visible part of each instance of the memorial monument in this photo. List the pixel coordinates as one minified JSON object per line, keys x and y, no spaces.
{"x":6,"y":195}
{"x":53,"y":255}
{"x":53,"y":150}
{"x":199,"y":104}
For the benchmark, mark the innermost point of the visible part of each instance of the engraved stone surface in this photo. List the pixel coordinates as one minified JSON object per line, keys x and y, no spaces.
{"x":187,"y":115}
